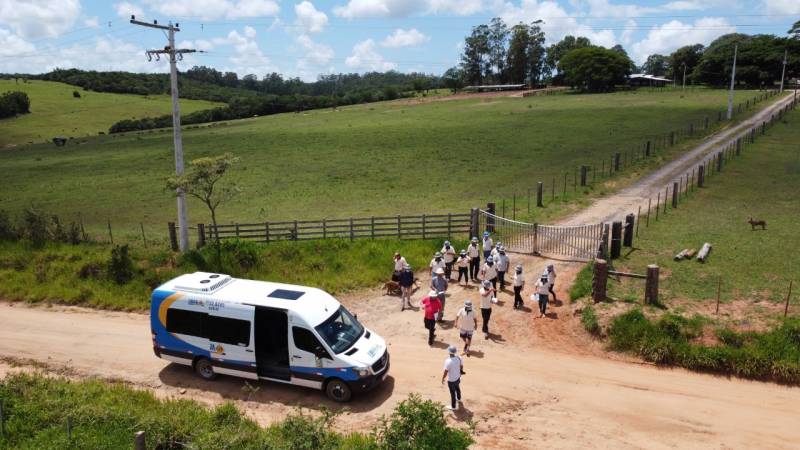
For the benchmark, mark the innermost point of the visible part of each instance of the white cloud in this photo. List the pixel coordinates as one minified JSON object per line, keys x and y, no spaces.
{"x":250,"y":32}
{"x":316,"y":53}
{"x":670,"y":36}
{"x":37,"y":18}
{"x":404,"y":38}
{"x":684,"y":5}
{"x":604,"y":8}
{"x":365,"y":57}
{"x":558,"y":23}
{"x":13,"y":45}
{"x":214,"y":9}
{"x":309,"y":19}
{"x":91,"y":22}
{"x":356,"y":9}
{"x":782,"y":6}
{"x":248,"y":57}
{"x":127,"y":9}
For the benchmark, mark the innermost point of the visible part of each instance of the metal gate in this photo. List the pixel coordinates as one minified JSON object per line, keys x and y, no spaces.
{"x":580,"y":242}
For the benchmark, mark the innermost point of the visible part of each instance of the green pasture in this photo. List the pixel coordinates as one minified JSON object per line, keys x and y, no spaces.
{"x":752,"y":265}
{"x":55,"y":112}
{"x":374,"y":159}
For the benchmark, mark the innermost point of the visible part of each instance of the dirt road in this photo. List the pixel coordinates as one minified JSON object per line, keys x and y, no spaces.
{"x":535,"y":383}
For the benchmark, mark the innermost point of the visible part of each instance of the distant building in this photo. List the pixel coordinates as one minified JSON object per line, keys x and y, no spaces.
{"x":495,"y":87}
{"x":645,"y":80}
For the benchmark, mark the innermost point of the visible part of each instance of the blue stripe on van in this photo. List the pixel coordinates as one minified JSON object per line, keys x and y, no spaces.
{"x":165,"y":339}
{"x":344,"y":373}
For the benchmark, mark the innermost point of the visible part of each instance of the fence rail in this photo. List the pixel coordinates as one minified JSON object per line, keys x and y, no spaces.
{"x":401,"y":227}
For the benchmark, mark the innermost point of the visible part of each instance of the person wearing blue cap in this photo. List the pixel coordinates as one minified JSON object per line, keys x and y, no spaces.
{"x":453,"y":369}
{"x":487,"y":245}
{"x":474,"y":253}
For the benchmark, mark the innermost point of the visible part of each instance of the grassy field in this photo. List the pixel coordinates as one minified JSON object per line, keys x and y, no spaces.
{"x":385,"y":158}
{"x":755,"y":267}
{"x":104,"y":415}
{"x":55,"y":112}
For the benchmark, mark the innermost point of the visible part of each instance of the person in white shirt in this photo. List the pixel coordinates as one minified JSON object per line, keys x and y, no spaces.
{"x":487,"y":245}
{"x":551,"y":279}
{"x":453,"y":368}
{"x":489,"y":272}
{"x":502,"y":263}
{"x":519,"y":283}
{"x":436,"y":263}
{"x":496,"y":250}
{"x":449,"y":256}
{"x":542,"y":289}
{"x":462,"y":263}
{"x":487,"y":298}
{"x":474,"y":254}
{"x":466,"y":324}
{"x":399,"y":264}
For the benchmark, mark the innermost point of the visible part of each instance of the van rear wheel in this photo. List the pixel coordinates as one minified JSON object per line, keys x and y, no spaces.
{"x":204,"y":368}
{"x":338,"y":391}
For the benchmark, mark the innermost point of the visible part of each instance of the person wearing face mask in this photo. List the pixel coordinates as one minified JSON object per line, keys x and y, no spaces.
{"x":488,"y":244}
{"x":439,"y":284}
{"x":502,"y":263}
{"x":496,"y":250}
{"x":466,"y":322}
{"x":463,"y":263}
{"x":474,"y":254}
{"x":436,"y":263}
{"x":399,"y":263}
{"x":487,"y":298}
{"x":542,"y":289}
{"x":519,"y":283}
{"x":489,"y":272}
{"x":449,"y":256}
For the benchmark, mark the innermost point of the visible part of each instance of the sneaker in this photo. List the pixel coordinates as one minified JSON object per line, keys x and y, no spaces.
{"x":486,"y":335}
{"x":450,"y":408}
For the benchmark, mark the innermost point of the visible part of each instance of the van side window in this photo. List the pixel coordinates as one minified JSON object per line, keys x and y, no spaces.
{"x":305,"y":340}
{"x":228,"y":331}
{"x":181,"y":321}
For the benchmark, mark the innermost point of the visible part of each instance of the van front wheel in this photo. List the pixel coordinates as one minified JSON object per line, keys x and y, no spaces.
{"x":337,"y":390}
{"x":204,"y":368}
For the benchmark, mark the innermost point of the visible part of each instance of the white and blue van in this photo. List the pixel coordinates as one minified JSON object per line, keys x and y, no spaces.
{"x":265,"y":331}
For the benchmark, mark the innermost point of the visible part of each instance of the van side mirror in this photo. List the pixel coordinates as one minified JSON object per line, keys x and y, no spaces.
{"x":320,"y":352}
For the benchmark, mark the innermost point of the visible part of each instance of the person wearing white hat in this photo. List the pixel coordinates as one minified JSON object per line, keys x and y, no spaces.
{"x":466,"y":322}
{"x":399,"y":263}
{"x":462,"y":263}
{"x":439,"y":284}
{"x":502,"y":263}
{"x":406,"y":282}
{"x":487,"y":298}
{"x":436,"y":263}
{"x":449,"y":257}
{"x":519,"y":283}
{"x":551,"y":279}
{"x":430,"y":308}
{"x":474,"y":254}
{"x":453,"y":369}
{"x":542,"y":289}
{"x":497,"y":246}
{"x":489,"y":272}
{"x":488,"y":244}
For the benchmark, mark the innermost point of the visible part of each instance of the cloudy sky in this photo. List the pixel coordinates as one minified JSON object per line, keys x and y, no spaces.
{"x":307,"y":37}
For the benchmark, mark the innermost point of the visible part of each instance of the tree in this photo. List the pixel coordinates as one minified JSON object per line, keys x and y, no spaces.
{"x":535,"y":53}
{"x":689,"y":56}
{"x":420,"y":84}
{"x":558,"y":50}
{"x":475,"y":59}
{"x":794,"y":32}
{"x":517,"y":58}
{"x":453,"y":79}
{"x":498,"y":37}
{"x":595,"y":69}
{"x":201,"y":181}
{"x":656,"y":65}
{"x":759,"y":60}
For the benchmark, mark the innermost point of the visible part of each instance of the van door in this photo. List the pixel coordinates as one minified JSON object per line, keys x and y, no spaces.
{"x":230,"y":338}
{"x":271,"y":333}
{"x":309,"y":357}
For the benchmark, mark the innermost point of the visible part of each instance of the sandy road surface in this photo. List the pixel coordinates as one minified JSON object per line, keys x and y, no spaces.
{"x":535,"y":383}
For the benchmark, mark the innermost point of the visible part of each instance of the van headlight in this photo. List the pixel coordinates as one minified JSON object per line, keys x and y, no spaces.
{"x":361,"y":371}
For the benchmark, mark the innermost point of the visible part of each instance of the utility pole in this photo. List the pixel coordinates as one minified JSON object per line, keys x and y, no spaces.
{"x":733,"y":79}
{"x":174,"y":56}
{"x":783,"y":72}
{"x":684,"y":77}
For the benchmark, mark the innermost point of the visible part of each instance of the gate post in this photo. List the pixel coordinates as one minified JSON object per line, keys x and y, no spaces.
{"x":539,"y":194}
{"x":536,"y":239}
{"x":627,"y":239}
{"x":584,"y":170}
{"x":490,"y":219}
{"x":647,"y":149}
{"x":616,"y":162}
{"x":201,"y":235}
{"x":602,"y":250}
{"x":600,"y":280}
{"x":651,"y":285}
{"x":675,"y":191}
{"x":473,"y":222}
{"x":738,"y":146}
{"x":701,"y":175}
{"x":616,"y":239}
{"x":719,"y":162}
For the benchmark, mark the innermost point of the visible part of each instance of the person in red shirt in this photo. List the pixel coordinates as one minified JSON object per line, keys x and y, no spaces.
{"x":431,"y":307}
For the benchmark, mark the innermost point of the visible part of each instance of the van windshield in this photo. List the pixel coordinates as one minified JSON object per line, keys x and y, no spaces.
{"x":341,"y":330}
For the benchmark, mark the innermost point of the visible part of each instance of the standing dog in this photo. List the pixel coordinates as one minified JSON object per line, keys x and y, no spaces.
{"x":757,"y":223}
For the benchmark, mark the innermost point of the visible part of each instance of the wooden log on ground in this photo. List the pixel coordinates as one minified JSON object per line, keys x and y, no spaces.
{"x":690,"y":254}
{"x":704,"y":251}
{"x":681,"y":254}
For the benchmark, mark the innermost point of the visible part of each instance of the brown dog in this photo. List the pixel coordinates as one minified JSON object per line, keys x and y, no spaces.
{"x":757,"y":223}
{"x":392,"y":287}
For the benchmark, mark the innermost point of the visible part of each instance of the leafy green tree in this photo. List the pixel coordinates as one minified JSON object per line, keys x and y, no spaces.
{"x":595,"y":69}
{"x":558,"y":50}
{"x":656,"y":65}
{"x":475,"y":59}
{"x":794,"y":32}
{"x":688,"y":56}
{"x":453,"y":79}
{"x":498,"y":39}
{"x":517,"y":58}
{"x":759,"y":60}
{"x":535,"y":53}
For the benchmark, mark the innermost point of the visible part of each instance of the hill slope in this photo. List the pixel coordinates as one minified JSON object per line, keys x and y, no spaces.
{"x":55,"y":112}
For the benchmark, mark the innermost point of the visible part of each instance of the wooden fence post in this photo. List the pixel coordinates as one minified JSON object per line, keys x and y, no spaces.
{"x":564,"y":194}
{"x":627,"y":234}
{"x":351,"y":229}
{"x":266,"y":230}
{"x":651,"y":285}
{"x":514,"y":206}
{"x":294,"y":231}
{"x":616,"y":162}
{"x":237,"y":230}
{"x":139,"y":441}
{"x":201,"y":234}
{"x":647,"y":149}
{"x":671,"y":138}
{"x":473,"y":225}
{"x":324,"y":228}
{"x":423,"y":226}
{"x":539,"y":194}
{"x":719,"y":289}
{"x":372,"y":226}
{"x":399,"y":228}
{"x":647,"y":223}
{"x":616,"y":239}
{"x":788,"y":296}
{"x":600,"y":280}
{"x":738,"y":146}
{"x":701,"y":175}
{"x":144,"y":238}
{"x":584,"y":171}
{"x":675,"y":191}
{"x":705,"y":126}
{"x":658,"y":204}
{"x":173,"y":236}
{"x":638,"y":220}
{"x":449,"y":226}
